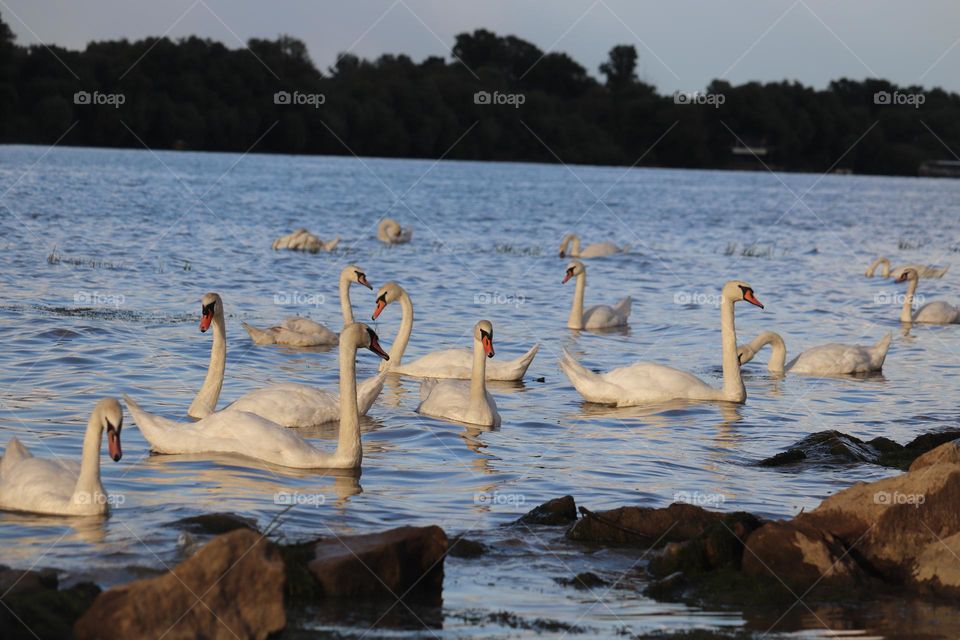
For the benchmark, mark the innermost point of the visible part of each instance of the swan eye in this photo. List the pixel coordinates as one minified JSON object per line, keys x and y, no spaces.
{"x":382,"y":298}
{"x":208,"y":308}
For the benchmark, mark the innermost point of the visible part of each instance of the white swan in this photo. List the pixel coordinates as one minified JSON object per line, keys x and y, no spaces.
{"x":594,"y":250}
{"x":247,"y":434}
{"x":648,"y":382}
{"x":390,"y":232}
{"x":826,"y":360}
{"x":924,"y":271}
{"x":937,"y":312}
{"x":296,"y":331}
{"x":600,"y":316}
{"x":460,"y":400}
{"x":40,"y":485}
{"x":303,"y":240}
{"x":446,"y":363}
{"x":289,"y":404}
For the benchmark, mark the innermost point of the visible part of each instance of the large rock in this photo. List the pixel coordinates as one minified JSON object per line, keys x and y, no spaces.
{"x":553,"y":512}
{"x":232,"y":587}
{"x":836,"y":447}
{"x":387,"y":564}
{"x":644,"y":526}
{"x":34,"y":607}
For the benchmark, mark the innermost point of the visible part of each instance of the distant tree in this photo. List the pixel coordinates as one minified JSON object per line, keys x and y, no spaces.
{"x":620,"y":67}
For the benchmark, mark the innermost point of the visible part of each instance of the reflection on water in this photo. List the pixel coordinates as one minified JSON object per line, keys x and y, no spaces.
{"x":73,"y":333}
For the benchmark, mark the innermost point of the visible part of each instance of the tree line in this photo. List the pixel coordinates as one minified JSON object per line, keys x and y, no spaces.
{"x":495,"y":98}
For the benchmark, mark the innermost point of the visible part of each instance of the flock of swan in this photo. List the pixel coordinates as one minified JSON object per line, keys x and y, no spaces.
{"x":262,"y":424}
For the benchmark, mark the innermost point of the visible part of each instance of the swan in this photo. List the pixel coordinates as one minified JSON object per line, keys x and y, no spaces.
{"x":303,"y":240}
{"x":826,"y":360}
{"x":54,"y":487}
{"x":290,"y":404}
{"x":937,"y":312}
{"x":446,"y":363}
{"x":247,"y":434}
{"x":649,"y":382}
{"x":460,"y":400}
{"x":924,"y":271}
{"x":595,"y":250}
{"x":600,"y":316}
{"x":297,"y":331}
{"x":390,"y":232}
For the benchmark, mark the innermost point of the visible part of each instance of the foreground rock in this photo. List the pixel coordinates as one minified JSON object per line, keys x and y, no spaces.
{"x":836,"y":447}
{"x":553,"y":512}
{"x":34,"y":606}
{"x":232,"y":587}
{"x":388,"y":564}
{"x":643,"y":525}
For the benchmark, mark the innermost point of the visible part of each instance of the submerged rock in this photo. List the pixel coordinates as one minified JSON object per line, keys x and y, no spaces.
{"x":387,"y":564}
{"x":461,"y":547}
{"x":836,"y":447}
{"x":232,"y":587}
{"x":215,"y":523}
{"x":554,"y":512}
{"x":583,"y":580}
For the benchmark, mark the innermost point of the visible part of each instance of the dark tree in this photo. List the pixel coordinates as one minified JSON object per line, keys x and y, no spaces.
{"x":620,"y":67}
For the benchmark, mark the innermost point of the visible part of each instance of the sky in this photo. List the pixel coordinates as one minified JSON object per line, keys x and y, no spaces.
{"x":683,"y":44}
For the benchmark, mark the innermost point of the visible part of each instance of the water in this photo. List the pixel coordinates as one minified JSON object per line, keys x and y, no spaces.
{"x":137,"y":237}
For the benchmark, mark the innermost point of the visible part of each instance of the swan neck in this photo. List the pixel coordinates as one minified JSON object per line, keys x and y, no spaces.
{"x":778,"y":355}
{"x":906,"y":312}
{"x":88,"y":486}
{"x":348,"y":441}
{"x":886,"y":266}
{"x":576,"y":244}
{"x":576,"y":311}
{"x":206,"y":400}
{"x":733,"y":388}
{"x":403,"y":334}
{"x":345,"y":305}
{"x":478,"y":385}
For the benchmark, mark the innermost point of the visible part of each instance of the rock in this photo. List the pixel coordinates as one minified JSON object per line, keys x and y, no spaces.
{"x":719,"y":546}
{"x":835,"y":447}
{"x":13,"y":581}
{"x":387,"y":564}
{"x":948,"y":453}
{"x":554,"y":512}
{"x":461,"y":547}
{"x":215,"y":523}
{"x":584,"y":580}
{"x":33,"y":606}
{"x":238,"y":578}
{"x":644,"y":526}
{"x":936,"y":569}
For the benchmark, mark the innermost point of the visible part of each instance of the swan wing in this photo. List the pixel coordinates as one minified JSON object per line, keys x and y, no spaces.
{"x":40,"y":485}
{"x":446,"y":363}
{"x":291,"y":404}
{"x":937,"y":312}
{"x":835,"y":359}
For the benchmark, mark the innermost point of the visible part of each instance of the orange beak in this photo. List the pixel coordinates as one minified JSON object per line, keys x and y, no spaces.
{"x":205,"y":321}
{"x":113,"y":444}
{"x":752,"y":299}
{"x":381,"y":305}
{"x":487,"y":346}
{"x":377,"y":349}
{"x":567,"y":277}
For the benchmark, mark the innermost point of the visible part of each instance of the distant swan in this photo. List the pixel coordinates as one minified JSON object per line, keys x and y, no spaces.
{"x":646,"y":382}
{"x":303,"y":240}
{"x":446,"y":363}
{"x":57,"y":487}
{"x":247,"y":434}
{"x":390,"y":232}
{"x":297,"y":331}
{"x":595,"y":250}
{"x":600,"y":316}
{"x":460,"y":400}
{"x":826,"y":360}
{"x":924,"y":271}
{"x":289,"y":404}
{"x":937,"y":312}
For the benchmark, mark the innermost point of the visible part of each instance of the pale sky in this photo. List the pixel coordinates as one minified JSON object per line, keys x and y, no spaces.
{"x":683,"y":44}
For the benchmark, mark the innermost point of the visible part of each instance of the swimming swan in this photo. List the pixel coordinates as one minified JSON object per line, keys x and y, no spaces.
{"x":826,"y":360}
{"x":936,"y":312}
{"x":595,"y":250}
{"x":303,"y":240}
{"x":600,"y":316}
{"x":924,"y":271}
{"x":390,"y":232}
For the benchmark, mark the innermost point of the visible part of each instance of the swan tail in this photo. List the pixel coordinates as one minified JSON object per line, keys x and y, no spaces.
{"x":623,"y":307}
{"x":368,"y":391}
{"x":330,"y":246}
{"x":880,"y":350}
{"x":519,"y":366}
{"x":259,"y":336}
{"x":591,"y":386}
{"x":15,"y":453}
{"x":150,"y":426}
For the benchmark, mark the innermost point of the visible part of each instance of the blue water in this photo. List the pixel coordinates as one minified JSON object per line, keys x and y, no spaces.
{"x":104,"y":255}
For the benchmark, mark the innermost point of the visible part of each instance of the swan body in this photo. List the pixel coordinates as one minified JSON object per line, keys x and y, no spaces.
{"x":243,"y":433}
{"x":923,"y":271}
{"x":56,"y":487}
{"x":304,"y":332}
{"x":446,"y":363}
{"x":597,"y":317}
{"x":936,"y":312}
{"x":303,"y":240}
{"x":461,"y":400}
{"x":826,"y":360}
{"x":288,"y":404}
{"x":390,"y":232}
{"x":594,"y":250}
{"x":647,"y":382}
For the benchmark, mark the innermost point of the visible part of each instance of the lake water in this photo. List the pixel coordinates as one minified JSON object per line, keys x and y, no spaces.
{"x":106,"y":253}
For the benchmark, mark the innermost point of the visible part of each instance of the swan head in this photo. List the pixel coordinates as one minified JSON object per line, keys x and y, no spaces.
{"x":210,"y":306}
{"x":108,"y":416}
{"x":362,"y":336}
{"x":353,"y":273}
{"x":908,"y":274}
{"x":745,"y":354}
{"x":563,"y":244}
{"x":737,"y":290}
{"x":390,"y":292}
{"x":483,"y":333}
{"x":574,"y":269}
